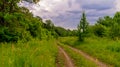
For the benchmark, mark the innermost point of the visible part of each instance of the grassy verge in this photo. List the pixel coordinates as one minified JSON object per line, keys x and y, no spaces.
{"x":31,"y":54}
{"x":104,"y":49}
{"x":78,"y":60}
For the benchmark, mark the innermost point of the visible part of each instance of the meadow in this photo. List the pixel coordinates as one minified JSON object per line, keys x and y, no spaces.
{"x":34,"y":53}
{"x":104,"y":49}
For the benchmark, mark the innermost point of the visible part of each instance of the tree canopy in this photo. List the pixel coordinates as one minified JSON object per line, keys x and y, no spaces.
{"x":82,"y":27}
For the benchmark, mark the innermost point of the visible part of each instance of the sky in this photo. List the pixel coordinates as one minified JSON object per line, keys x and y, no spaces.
{"x":67,"y":13}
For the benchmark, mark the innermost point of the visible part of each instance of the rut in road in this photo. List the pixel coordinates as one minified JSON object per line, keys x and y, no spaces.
{"x":68,"y":61}
{"x":99,"y":63}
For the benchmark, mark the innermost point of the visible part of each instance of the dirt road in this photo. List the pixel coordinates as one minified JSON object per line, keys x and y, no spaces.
{"x":99,"y":63}
{"x":67,"y":60}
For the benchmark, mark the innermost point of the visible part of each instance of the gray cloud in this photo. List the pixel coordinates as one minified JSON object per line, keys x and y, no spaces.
{"x":67,"y":13}
{"x":96,"y":7}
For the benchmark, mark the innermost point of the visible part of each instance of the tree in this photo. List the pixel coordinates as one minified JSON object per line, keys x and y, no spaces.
{"x":116,"y":17}
{"x":61,"y":31}
{"x":17,"y":23}
{"x":99,"y":30}
{"x":49,"y":25}
{"x":82,"y":27}
{"x":114,"y":32}
{"x":107,"y":21}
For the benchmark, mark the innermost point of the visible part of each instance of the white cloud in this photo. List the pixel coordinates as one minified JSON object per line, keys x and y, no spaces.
{"x":117,"y":5}
{"x":48,"y":8}
{"x":67,"y":13}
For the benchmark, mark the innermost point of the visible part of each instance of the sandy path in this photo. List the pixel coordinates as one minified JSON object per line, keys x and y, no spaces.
{"x":99,"y":63}
{"x":68,"y":61}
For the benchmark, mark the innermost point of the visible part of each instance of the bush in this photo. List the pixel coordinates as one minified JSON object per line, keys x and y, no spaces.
{"x":99,"y":30}
{"x":115,"y":32}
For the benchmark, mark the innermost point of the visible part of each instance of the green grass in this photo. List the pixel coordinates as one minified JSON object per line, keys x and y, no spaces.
{"x":31,"y":54}
{"x":104,"y":49}
{"x":78,"y":59}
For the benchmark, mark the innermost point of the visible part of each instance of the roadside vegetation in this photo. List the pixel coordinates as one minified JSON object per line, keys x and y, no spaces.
{"x":78,"y":59}
{"x":34,"y":53}
{"x":104,"y":49}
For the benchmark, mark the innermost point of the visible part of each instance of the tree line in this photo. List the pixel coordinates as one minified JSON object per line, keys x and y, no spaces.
{"x":104,"y":27}
{"x":17,"y":23}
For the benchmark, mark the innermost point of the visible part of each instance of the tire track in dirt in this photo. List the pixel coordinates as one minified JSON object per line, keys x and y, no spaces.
{"x":99,"y":63}
{"x":68,"y":61}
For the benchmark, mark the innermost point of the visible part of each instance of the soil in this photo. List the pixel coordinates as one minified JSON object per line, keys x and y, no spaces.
{"x":99,"y":63}
{"x":66,"y":59}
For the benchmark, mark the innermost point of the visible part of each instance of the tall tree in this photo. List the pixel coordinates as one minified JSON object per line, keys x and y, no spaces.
{"x":82,"y":27}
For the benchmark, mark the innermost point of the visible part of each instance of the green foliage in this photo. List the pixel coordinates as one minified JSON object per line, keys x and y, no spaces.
{"x":15,"y":30}
{"x":90,"y":32}
{"x":8,"y":6}
{"x":108,"y":27}
{"x":61,"y":31}
{"x":116,"y":17}
{"x":58,"y":31}
{"x":68,"y":40}
{"x":49,"y":25}
{"x":115,"y":32}
{"x":5,"y":35}
{"x":34,"y":27}
{"x":106,"y":21}
{"x":17,"y":23}
{"x":82,"y":27}
{"x":99,"y":30}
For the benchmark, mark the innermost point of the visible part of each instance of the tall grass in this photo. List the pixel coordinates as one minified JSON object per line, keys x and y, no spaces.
{"x":31,"y":54}
{"x":104,"y":49}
